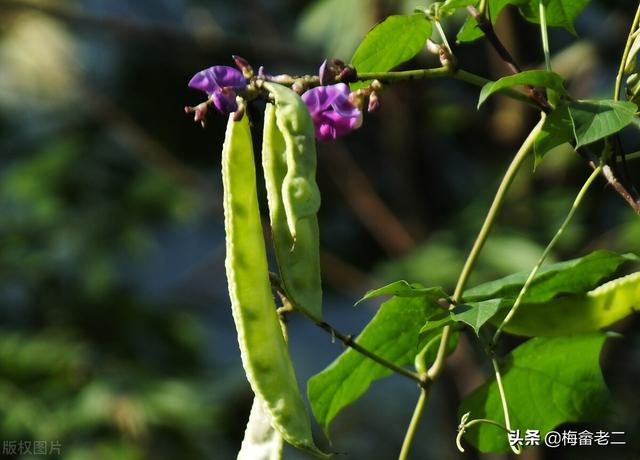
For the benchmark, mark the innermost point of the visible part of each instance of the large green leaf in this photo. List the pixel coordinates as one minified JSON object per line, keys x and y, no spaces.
{"x":403,"y":288}
{"x":594,"y":120}
{"x":559,"y":13}
{"x":557,"y":129}
{"x":540,"y":78}
{"x":392,"y":42}
{"x":575,"y":276}
{"x":547,"y":381}
{"x":391,"y":334}
{"x":574,"y":314}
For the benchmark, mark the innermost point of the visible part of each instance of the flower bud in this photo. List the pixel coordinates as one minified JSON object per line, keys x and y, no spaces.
{"x":244,"y":66}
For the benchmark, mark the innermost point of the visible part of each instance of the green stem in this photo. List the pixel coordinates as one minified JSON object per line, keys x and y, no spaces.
{"x":482,"y":8}
{"x":442,"y":35}
{"x":625,"y":55}
{"x":547,"y":250}
{"x":439,"y":72}
{"x":498,"y":200}
{"x":545,"y":36}
{"x":464,"y":425}
{"x":527,"y":285}
{"x":413,"y":425}
{"x":503,"y":399}
{"x":348,"y":341}
{"x":630,"y":156}
{"x":389,"y":77}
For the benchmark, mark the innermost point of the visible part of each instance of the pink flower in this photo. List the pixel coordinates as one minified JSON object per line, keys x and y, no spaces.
{"x":332,"y":113}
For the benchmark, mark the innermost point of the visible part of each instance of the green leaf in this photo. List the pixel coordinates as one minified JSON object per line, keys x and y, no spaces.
{"x":575,"y":314}
{"x":391,"y":334}
{"x":559,"y":13}
{"x":450,"y":6}
{"x":335,"y":27}
{"x":470,"y":30}
{"x":476,"y":314}
{"x":574,"y":276}
{"x":557,"y":129}
{"x":547,"y":381}
{"x":436,"y":321}
{"x":392,"y":42}
{"x":540,"y":78}
{"x":594,"y":120}
{"x":403,"y":288}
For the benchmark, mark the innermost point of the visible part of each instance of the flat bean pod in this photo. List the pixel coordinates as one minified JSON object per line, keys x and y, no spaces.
{"x":261,"y":441}
{"x":300,"y":194}
{"x":263,"y":349}
{"x":299,"y":260}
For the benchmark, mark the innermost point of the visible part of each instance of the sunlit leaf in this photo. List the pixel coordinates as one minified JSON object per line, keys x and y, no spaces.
{"x":575,"y":276}
{"x":581,"y":313}
{"x":392,"y":42}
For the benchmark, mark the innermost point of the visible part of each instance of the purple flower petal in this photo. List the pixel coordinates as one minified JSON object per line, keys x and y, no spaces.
{"x":331,"y":111}
{"x":217,"y":77}
{"x":225,"y":101}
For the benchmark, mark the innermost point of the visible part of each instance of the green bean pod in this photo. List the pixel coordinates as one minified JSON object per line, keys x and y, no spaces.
{"x":300,"y":194}
{"x":263,"y":349}
{"x":261,"y":441}
{"x":299,"y":260}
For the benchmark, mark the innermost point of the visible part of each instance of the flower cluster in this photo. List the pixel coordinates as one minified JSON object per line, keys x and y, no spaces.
{"x":333,"y":112}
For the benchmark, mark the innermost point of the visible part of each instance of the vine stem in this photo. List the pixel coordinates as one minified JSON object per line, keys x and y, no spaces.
{"x":498,"y":200}
{"x":525,"y":288}
{"x":503,"y":399}
{"x":483,"y":234}
{"x":464,"y":425}
{"x":442,"y":35}
{"x":436,"y":368}
{"x":347,"y":340}
{"x":413,"y":425}
{"x":625,"y":55}
{"x":415,"y":74}
{"x":544,"y":35}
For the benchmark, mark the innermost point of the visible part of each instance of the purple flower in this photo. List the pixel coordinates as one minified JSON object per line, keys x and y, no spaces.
{"x":220,"y":82}
{"x":332,"y":112}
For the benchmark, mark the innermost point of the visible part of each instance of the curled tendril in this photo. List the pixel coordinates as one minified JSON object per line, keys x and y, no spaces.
{"x":466,"y":423}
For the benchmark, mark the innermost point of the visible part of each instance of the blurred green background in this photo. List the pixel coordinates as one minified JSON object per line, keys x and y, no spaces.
{"x":116,"y":337}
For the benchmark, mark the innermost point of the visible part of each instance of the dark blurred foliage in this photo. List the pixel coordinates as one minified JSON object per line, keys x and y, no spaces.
{"x":116,"y":337}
